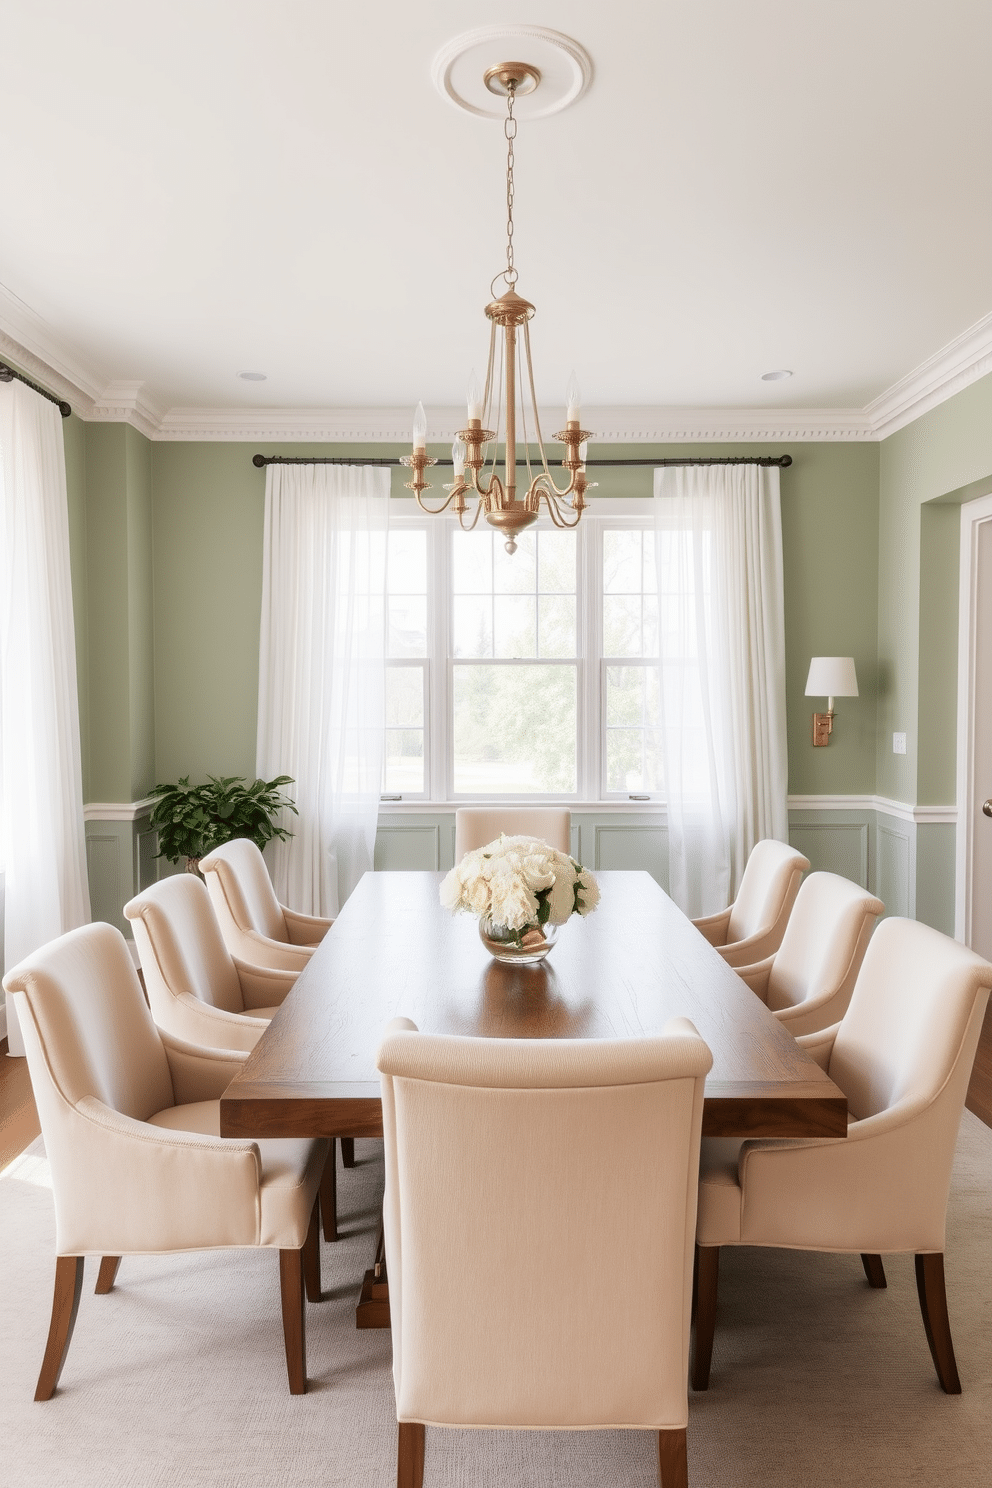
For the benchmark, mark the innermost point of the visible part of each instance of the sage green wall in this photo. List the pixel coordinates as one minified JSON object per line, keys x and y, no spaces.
{"x":208,"y":509}
{"x":108,"y":736}
{"x":74,"y":437}
{"x":118,"y":735}
{"x":942,"y":458}
{"x":140,"y":578}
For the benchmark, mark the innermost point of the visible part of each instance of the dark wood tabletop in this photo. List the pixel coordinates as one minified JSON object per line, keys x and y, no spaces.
{"x":620,"y":972}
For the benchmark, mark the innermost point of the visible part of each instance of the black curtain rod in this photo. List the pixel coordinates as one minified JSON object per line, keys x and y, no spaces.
{"x":9,"y":374}
{"x":782,"y":461}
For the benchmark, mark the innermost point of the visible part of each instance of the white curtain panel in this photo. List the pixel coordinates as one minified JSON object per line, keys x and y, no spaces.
{"x":42,"y":838}
{"x":718,"y":548}
{"x":321,"y":673}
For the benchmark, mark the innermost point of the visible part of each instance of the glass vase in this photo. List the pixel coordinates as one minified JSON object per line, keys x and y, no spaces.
{"x":518,"y":947}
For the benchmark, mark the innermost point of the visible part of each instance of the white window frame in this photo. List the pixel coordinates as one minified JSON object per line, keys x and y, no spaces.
{"x":631,"y":512}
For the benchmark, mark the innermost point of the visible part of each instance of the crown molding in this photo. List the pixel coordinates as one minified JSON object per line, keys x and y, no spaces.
{"x":623,"y":425}
{"x":29,"y":343}
{"x":951,"y":369}
{"x":125,"y":403}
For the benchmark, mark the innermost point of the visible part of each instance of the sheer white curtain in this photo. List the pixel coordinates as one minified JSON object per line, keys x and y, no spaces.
{"x":42,"y":839}
{"x":718,"y":535}
{"x":321,"y":673}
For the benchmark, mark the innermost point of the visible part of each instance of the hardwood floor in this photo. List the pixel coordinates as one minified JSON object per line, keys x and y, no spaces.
{"x":18,"y":1117}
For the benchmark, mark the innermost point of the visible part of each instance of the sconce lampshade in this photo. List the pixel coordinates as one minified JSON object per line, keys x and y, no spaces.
{"x":832,"y":676}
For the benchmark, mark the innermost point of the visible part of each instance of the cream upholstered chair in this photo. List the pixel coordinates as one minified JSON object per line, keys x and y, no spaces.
{"x":197,"y":990}
{"x":753,"y":926}
{"x":130,"y":1118}
{"x":535,"y":1282}
{"x":475,"y":826}
{"x":808,"y":982}
{"x":902,"y":1054}
{"x":255,"y":926}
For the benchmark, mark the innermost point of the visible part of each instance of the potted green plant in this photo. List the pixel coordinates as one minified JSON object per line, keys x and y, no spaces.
{"x":192,"y":819}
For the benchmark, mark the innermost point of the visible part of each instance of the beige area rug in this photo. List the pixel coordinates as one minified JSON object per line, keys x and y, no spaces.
{"x":178,"y":1377}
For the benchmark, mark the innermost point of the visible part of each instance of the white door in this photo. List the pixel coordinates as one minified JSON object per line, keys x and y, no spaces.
{"x":974,"y":877}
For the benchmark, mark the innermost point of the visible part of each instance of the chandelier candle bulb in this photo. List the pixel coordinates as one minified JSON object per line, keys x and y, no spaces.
{"x":573,"y":401}
{"x":458,"y":453}
{"x":419,"y":428}
{"x":475,"y":397}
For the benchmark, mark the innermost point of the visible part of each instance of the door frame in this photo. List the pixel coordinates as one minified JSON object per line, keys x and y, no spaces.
{"x":973,"y":515}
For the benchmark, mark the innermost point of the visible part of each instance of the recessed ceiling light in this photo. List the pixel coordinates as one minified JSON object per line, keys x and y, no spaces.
{"x":778,"y":376}
{"x":260,"y":376}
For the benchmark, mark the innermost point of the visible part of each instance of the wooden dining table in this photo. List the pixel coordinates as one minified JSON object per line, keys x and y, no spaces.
{"x":621,"y":972}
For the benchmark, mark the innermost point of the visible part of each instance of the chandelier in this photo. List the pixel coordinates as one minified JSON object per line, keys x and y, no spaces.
{"x":475,"y":451}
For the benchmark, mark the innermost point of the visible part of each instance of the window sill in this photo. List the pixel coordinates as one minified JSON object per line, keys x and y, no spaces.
{"x":577,"y":808}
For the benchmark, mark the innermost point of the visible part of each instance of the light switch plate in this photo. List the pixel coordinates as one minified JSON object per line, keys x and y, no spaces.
{"x":898,"y":743}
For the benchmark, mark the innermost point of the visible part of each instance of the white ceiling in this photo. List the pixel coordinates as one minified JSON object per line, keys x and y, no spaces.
{"x":193,"y":190}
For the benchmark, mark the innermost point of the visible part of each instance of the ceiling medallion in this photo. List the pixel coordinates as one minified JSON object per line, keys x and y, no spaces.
{"x":461,"y":69}
{"x":509,"y":367}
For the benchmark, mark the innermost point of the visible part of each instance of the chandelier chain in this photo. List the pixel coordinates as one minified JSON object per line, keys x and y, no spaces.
{"x":510,"y":130}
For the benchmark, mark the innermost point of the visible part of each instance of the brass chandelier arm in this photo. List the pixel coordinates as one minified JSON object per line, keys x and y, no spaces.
{"x":433,"y":511}
{"x":554,"y":510}
{"x":468,"y":526}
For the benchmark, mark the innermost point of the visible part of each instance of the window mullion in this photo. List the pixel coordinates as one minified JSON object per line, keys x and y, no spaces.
{"x":438,"y":680}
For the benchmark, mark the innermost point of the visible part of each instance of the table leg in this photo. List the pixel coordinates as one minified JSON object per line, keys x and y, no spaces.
{"x":373,"y":1304}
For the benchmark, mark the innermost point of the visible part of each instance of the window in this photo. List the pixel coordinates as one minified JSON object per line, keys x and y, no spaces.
{"x":531,"y":674}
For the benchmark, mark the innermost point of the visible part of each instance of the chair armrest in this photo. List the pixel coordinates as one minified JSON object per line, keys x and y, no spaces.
{"x":714,"y":927}
{"x":135,"y":1187}
{"x":754,"y":948}
{"x":215,"y":1028}
{"x":883,"y":1188}
{"x":199,"y":1073}
{"x":757,"y":976}
{"x":263,"y":986}
{"x":256,"y":950}
{"x":305,"y":930}
{"x":819,"y":1046}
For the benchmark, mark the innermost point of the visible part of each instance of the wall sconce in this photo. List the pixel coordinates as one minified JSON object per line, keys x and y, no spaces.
{"x":829,"y":677}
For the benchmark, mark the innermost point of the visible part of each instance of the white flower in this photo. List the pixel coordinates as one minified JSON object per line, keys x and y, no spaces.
{"x":562,"y":895}
{"x":588,"y":892}
{"x":511,"y":878}
{"x":451,"y":891}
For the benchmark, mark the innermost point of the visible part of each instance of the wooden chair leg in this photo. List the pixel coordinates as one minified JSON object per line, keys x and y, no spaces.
{"x":311,"y":1256}
{"x":410,"y":1455}
{"x":695,"y":1283}
{"x":65,"y":1305}
{"x":107,"y":1275}
{"x":874,"y":1270}
{"x":707,"y":1277}
{"x":329,"y":1194}
{"x":347,"y":1152}
{"x":933,"y":1306}
{"x":293,"y":1319}
{"x":673,"y":1465}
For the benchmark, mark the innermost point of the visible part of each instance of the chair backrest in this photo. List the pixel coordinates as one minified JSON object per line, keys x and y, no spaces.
{"x":475,"y":826}
{"x":87,"y":1030}
{"x":824,"y":943}
{"x":768,"y":890}
{"x":238,"y":880}
{"x":181,"y":947}
{"x":540,"y":1218}
{"x":910,"y":1033}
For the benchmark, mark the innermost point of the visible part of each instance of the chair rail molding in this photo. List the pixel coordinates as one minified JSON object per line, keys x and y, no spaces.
{"x":117,"y":810}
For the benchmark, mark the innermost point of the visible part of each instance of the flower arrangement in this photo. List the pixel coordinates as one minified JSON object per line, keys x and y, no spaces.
{"x":520,"y":882}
